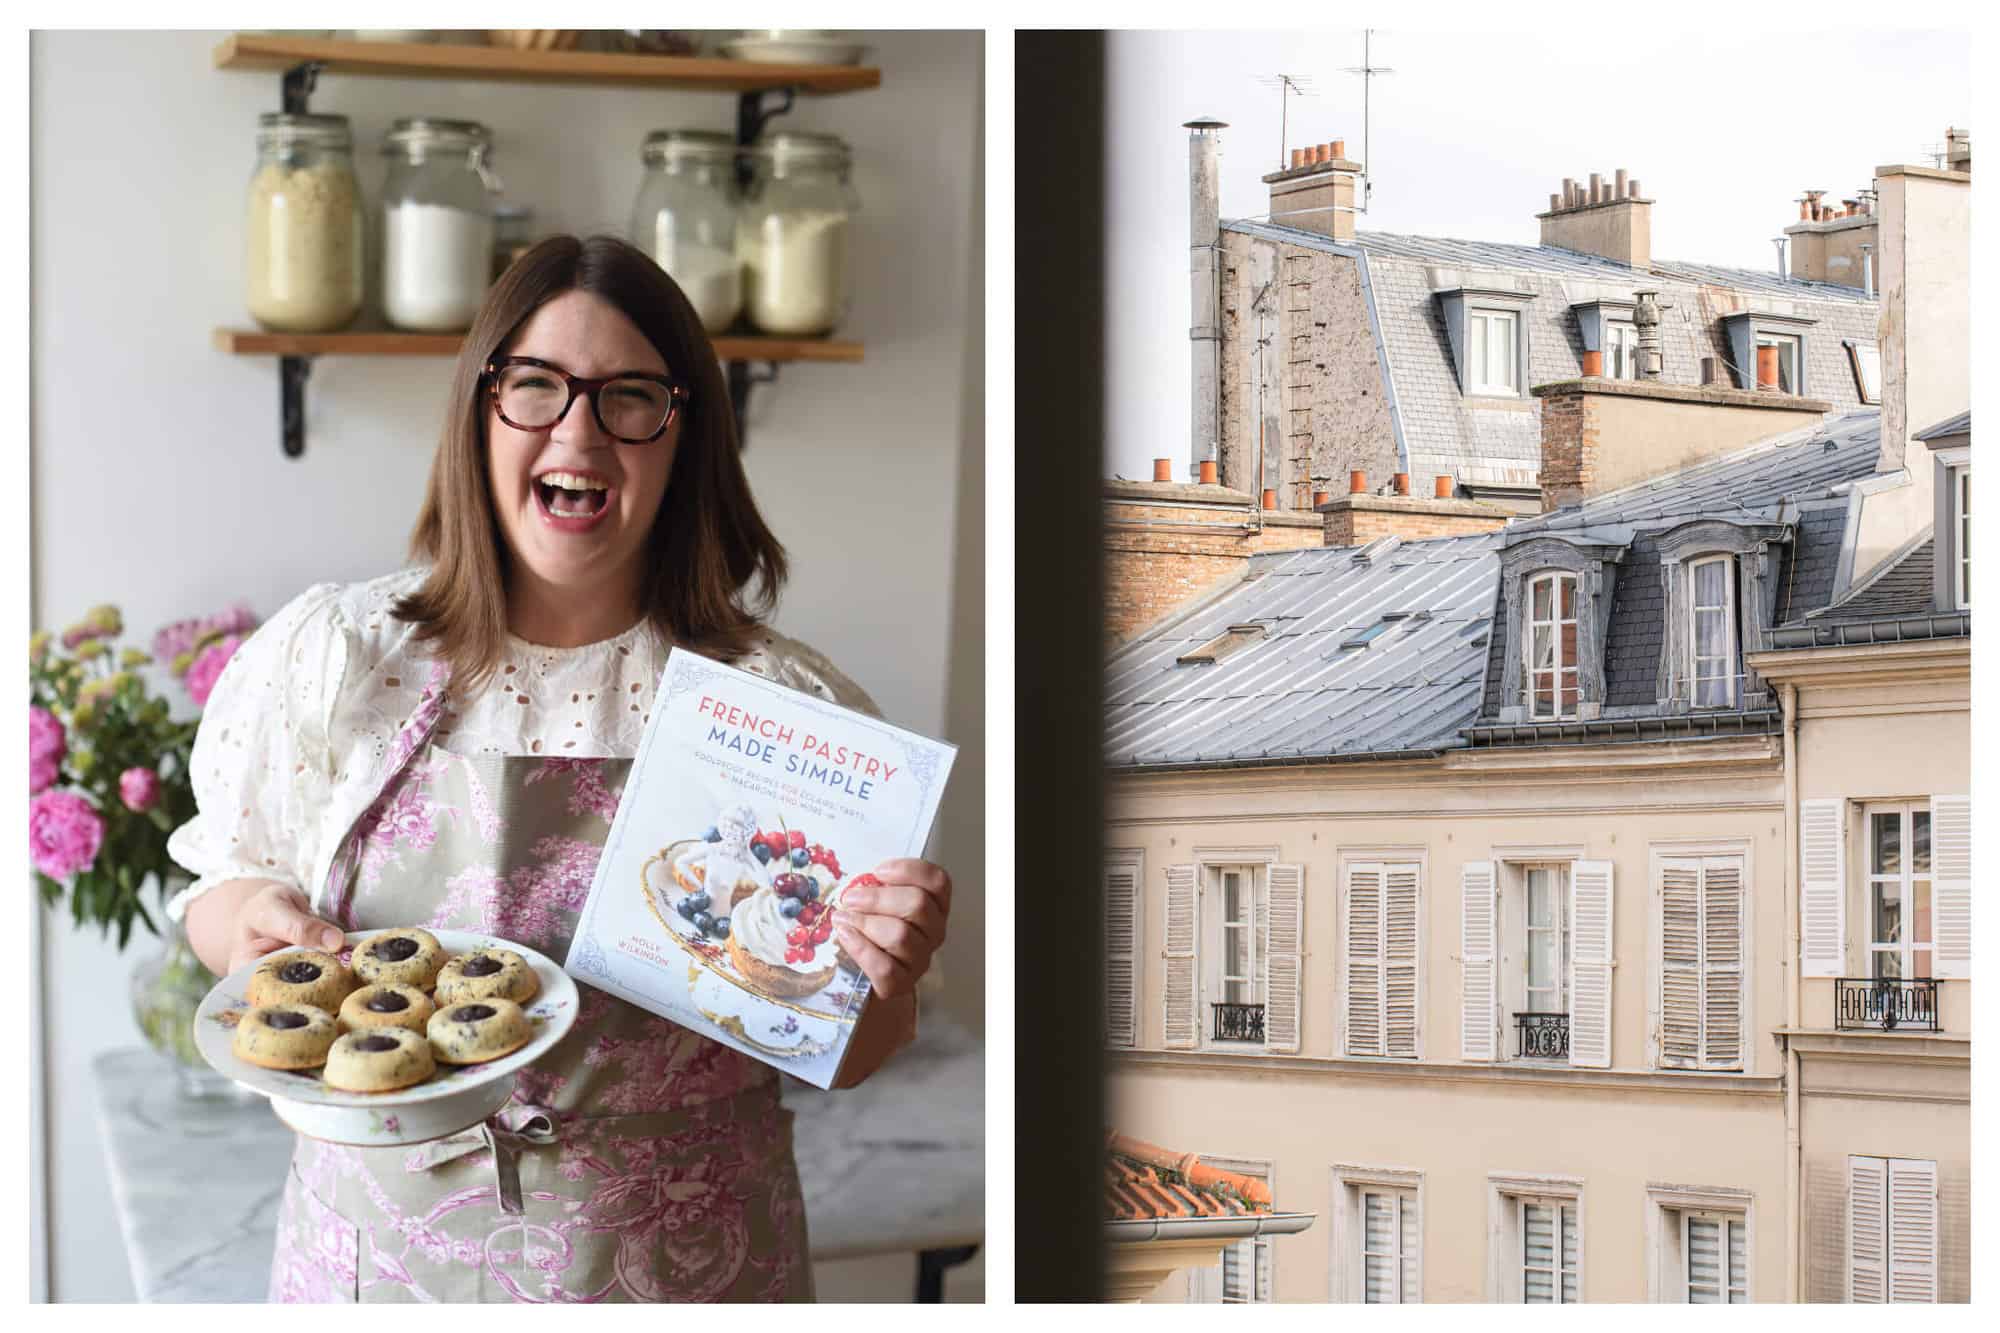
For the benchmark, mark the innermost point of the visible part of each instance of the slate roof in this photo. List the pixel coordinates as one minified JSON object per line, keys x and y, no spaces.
{"x":1958,"y":425}
{"x":1299,"y":693}
{"x":1903,"y":587}
{"x":1498,"y":442}
{"x":1809,"y":470}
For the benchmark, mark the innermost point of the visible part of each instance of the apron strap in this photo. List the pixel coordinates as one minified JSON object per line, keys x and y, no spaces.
{"x":520,"y":1126}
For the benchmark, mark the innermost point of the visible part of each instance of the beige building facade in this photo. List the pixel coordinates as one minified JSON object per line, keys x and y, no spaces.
{"x":1576,"y":905}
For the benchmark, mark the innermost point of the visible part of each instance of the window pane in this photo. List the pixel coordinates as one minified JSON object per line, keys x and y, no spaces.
{"x":1920,"y":911}
{"x":1888,"y":843}
{"x":1541,"y":599}
{"x":1569,"y":694}
{"x":1704,"y":1261}
{"x":1539,"y":897}
{"x":1544,"y":655}
{"x":1920,"y":842}
{"x":1411,"y":1292}
{"x":1708,"y":582}
{"x":1920,"y":964}
{"x":1568,"y":597}
{"x":1739,"y":1284}
{"x":1475,"y":357}
{"x":1888,"y":964}
{"x":1378,"y":1246}
{"x":1503,"y":352}
{"x":1569,"y":643}
{"x":1538,"y":1244}
{"x":1544,"y":700}
{"x":1232,"y":896}
{"x":1544,"y":968}
{"x":1236,"y":960}
{"x":1888,"y":912}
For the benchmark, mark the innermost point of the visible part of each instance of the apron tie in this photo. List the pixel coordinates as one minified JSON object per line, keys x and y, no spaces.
{"x":518,"y":1126}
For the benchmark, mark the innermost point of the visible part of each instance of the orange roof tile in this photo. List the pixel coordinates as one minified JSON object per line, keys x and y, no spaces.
{"x":1143,"y":1181}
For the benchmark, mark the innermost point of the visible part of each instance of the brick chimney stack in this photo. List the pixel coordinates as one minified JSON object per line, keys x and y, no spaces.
{"x":1829,"y":243}
{"x":1316,"y":192}
{"x":1610,"y":219}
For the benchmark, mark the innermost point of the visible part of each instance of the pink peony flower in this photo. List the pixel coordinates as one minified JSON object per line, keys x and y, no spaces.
{"x":207,"y":668}
{"x":181,"y":636}
{"x":139,"y":788}
{"x":47,"y":744}
{"x":64,"y":833}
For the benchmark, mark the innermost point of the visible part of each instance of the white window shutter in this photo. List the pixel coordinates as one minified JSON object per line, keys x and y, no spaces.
{"x":1263,"y":1247}
{"x":1822,"y":888}
{"x":1913,"y":1231}
{"x":1400,"y":896}
{"x":1867,"y":1230}
{"x":1283,"y":930}
{"x":1121,"y":955}
{"x":1680,"y":962}
{"x":1182,"y":1022}
{"x":1478,"y":1034}
{"x":1590,"y":964}
{"x":1722,"y":901}
{"x":1951,"y":885}
{"x":1364,"y":959}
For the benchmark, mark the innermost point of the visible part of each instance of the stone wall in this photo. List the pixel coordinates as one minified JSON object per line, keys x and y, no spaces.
{"x":1168,"y":544}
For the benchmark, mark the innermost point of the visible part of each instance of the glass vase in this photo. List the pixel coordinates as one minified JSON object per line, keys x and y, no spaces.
{"x":168,"y":985}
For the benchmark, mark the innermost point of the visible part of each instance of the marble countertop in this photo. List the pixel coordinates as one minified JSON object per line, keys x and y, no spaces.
{"x":896,"y":1165}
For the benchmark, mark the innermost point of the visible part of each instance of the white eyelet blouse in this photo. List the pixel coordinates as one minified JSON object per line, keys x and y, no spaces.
{"x":295,"y":742}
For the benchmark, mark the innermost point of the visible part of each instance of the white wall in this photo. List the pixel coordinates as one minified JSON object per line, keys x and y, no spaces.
{"x":158,"y":482}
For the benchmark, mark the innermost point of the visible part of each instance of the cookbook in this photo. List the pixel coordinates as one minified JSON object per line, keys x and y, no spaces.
{"x":749,"y":810}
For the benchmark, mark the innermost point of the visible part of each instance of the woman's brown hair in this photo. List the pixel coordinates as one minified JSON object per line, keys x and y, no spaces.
{"x":708,"y":542}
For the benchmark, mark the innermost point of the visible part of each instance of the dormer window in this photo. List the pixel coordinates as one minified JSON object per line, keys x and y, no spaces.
{"x":1784,"y":350}
{"x":1712,"y":601}
{"x":1621,"y":351}
{"x":1550,"y":638}
{"x":1556,"y":590}
{"x":1493,"y":363}
{"x":1961,"y":526}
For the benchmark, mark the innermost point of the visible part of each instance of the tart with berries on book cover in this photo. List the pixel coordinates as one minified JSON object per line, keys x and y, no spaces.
{"x":758,"y":904}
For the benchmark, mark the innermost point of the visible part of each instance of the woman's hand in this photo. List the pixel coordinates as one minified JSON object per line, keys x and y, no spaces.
{"x":891,"y":926}
{"x":262,"y":916}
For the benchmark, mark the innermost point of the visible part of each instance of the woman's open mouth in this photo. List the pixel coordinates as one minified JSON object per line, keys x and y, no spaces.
{"x":572,"y":501}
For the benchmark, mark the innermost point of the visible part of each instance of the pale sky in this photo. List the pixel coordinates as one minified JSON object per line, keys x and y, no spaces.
{"x":1723,"y":129}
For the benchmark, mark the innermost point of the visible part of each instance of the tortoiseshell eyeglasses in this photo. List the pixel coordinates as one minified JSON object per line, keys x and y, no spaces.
{"x":633,"y":408}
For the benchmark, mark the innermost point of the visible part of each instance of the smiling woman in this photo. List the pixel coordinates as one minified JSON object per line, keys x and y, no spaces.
{"x":447,"y":747}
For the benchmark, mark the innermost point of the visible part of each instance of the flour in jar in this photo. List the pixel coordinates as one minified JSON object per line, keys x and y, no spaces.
{"x":304,"y":251}
{"x":436,"y":264}
{"x":711,"y":276}
{"x":795,"y":271}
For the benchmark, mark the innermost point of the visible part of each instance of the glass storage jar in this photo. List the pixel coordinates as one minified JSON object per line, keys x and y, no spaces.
{"x":685,"y":218}
{"x":793,"y":233}
{"x":437,"y":223}
{"x":513,"y":235}
{"x":304,"y":251}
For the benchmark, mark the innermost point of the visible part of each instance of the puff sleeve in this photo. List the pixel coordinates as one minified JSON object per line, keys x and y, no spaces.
{"x":261,"y":767}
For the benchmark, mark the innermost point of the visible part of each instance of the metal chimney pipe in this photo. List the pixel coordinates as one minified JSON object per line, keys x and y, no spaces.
{"x":1779,"y":241}
{"x":1868,"y":269}
{"x":1204,"y":329}
{"x":1646,"y":319}
{"x":1618,"y":183}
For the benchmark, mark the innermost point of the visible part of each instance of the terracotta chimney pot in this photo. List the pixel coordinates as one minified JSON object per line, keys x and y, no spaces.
{"x":1402,"y":483}
{"x":1270,"y":498}
{"x":1208,"y":472}
{"x":1340,"y":148}
{"x":1593,"y":363}
{"x":1163,"y":469}
{"x":1444,"y":487}
{"x":1357,"y":482}
{"x":1298,"y":157}
{"x":1322,"y":497}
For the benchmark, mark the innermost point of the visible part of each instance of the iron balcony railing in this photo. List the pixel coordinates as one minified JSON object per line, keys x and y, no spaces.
{"x":1542,"y":1036}
{"x":1886,"y":1004}
{"x":1239,"y":1022}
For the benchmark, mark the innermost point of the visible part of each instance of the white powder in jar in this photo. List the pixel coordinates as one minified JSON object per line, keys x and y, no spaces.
{"x":304,"y":251}
{"x":436,"y":265}
{"x":711,"y":276}
{"x":795,"y":271}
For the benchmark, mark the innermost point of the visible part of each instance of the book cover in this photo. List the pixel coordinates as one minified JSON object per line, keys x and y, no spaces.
{"x":749,"y":810}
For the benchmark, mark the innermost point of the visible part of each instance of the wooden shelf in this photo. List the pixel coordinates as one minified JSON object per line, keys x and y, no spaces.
{"x":504,"y":64}
{"x":256,"y":342}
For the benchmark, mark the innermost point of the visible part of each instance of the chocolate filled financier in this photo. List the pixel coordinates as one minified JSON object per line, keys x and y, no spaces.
{"x":380,"y":1059}
{"x":409,"y":957}
{"x":386,"y":1005}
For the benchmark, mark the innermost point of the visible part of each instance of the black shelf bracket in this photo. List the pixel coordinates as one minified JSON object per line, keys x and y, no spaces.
{"x":292,"y":373}
{"x":754,"y":110}
{"x":299,"y":83}
{"x":295,"y":90}
{"x":742,"y":376}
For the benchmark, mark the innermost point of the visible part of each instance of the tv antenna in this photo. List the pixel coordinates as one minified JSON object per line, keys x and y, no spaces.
{"x":1287,"y":84}
{"x":1367,"y":69}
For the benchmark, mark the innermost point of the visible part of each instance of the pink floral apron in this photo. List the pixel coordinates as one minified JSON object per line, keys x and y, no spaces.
{"x":637,"y":1161}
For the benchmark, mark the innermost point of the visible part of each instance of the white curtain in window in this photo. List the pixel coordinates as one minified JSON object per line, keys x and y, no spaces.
{"x":1389,"y":1234}
{"x":1548,"y":1253}
{"x":1717,"y":1266}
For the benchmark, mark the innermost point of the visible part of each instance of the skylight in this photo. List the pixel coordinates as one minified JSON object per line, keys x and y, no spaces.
{"x":1234,"y":639}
